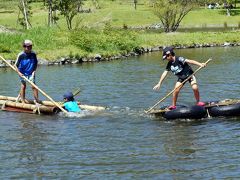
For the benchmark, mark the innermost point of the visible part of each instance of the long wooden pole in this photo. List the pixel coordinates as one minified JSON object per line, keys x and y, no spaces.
{"x":189,"y":77}
{"x":34,"y":85}
{"x":75,"y":93}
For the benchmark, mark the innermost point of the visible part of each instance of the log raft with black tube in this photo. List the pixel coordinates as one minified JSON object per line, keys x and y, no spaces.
{"x":223,"y":108}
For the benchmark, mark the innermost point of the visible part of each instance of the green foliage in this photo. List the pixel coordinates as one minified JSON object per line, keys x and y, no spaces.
{"x":69,"y":9}
{"x":43,"y":39}
{"x":4,"y":49}
{"x":91,"y":40}
{"x":10,"y":42}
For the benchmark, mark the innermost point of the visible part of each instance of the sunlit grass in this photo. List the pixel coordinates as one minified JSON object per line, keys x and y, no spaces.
{"x":210,"y":17}
{"x":176,"y":39}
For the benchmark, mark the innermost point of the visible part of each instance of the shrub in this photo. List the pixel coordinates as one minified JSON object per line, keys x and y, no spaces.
{"x":4,"y":49}
{"x":91,"y":40}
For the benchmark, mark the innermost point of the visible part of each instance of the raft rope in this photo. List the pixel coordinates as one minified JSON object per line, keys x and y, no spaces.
{"x":37,"y":107}
{"x":18,"y":98}
{"x":4,"y":105}
{"x":208,"y":113}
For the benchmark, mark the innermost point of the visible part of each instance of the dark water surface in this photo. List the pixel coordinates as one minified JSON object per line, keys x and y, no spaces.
{"x":123,"y":142}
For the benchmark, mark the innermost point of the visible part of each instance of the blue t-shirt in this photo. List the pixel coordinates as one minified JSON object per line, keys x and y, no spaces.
{"x":72,"y":106}
{"x":27,"y":63}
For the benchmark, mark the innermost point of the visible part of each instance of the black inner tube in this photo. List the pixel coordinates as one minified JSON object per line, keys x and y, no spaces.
{"x":192,"y":112}
{"x":227,"y":110}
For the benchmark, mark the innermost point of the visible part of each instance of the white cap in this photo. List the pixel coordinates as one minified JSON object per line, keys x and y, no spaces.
{"x":27,"y":42}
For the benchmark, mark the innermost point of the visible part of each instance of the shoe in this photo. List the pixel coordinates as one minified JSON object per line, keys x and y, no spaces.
{"x":172,"y":107}
{"x":200,"y":104}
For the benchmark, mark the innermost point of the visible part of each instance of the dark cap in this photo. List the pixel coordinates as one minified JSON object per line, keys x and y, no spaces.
{"x":68,"y":95}
{"x":166,"y":51}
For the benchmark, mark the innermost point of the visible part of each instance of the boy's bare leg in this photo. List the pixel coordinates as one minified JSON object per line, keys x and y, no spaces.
{"x":35,"y":93}
{"x":178,"y":85}
{"x":22,"y":92}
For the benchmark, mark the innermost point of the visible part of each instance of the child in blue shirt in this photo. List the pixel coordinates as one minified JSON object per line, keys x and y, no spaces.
{"x":69,"y":103}
{"x":26,"y":65}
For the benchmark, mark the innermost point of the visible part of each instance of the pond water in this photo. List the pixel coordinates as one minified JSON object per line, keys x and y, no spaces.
{"x":123,"y":142}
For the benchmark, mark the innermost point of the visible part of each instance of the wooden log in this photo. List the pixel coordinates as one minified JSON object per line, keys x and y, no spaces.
{"x":24,"y":106}
{"x":13,"y":109}
{"x":225,"y":102}
{"x":8,"y":98}
{"x":92,"y":108}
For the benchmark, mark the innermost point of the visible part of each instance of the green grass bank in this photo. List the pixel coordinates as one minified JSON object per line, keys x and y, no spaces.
{"x":51,"y":44}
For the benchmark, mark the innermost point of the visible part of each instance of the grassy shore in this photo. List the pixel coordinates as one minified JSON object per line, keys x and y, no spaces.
{"x":96,"y":33}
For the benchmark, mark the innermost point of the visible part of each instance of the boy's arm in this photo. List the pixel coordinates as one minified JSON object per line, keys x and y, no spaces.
{"x":36,"y":62}
{"x":163,"y":76}
{"x":195,"y":62}
{"x":17,"y":64}
{"x":34,"y":68}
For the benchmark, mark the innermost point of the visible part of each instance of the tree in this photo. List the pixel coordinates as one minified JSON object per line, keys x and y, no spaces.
{"x":24,"y":9}
{"x":171,"y":12}
{"x":69,"y":9}
{"x":135,"y":4}
{"x":52,"y":8}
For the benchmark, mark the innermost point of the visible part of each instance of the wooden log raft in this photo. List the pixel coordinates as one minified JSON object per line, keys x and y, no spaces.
{"x":50,"y":104}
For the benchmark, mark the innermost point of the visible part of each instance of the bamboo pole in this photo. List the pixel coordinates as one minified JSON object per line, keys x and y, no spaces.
{"x":147,"y":111}
{"x":34,"y":85}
